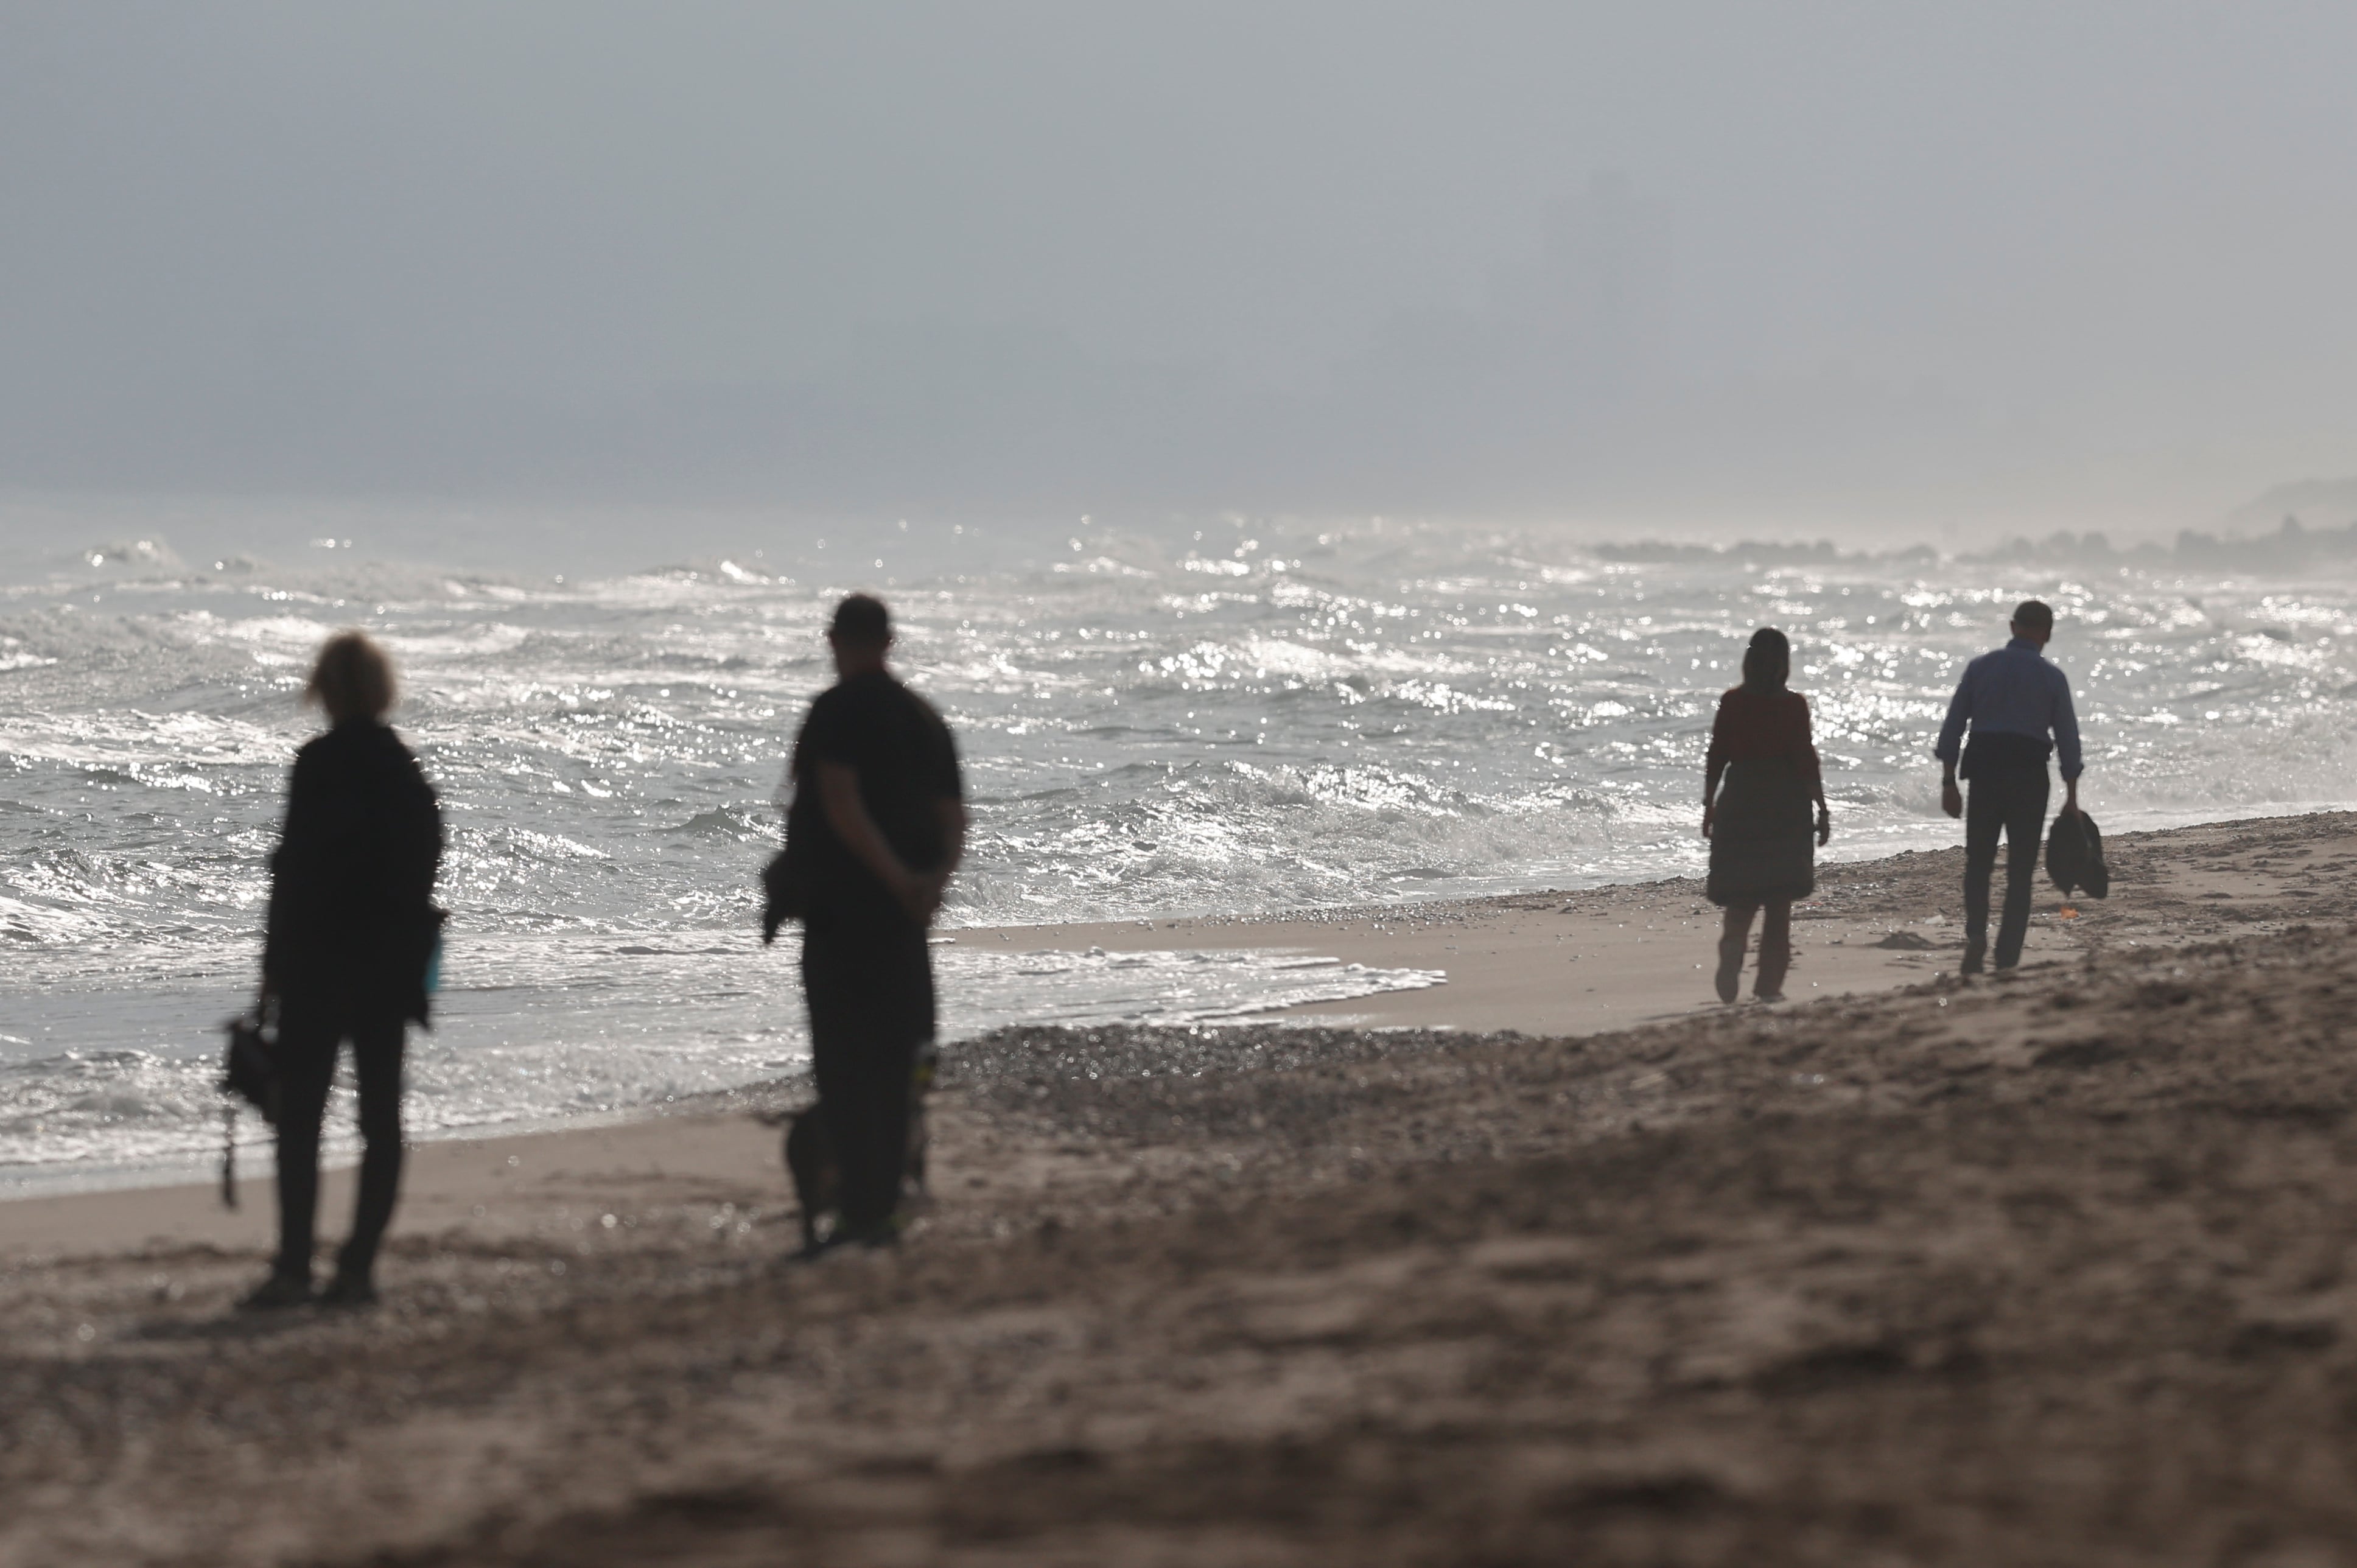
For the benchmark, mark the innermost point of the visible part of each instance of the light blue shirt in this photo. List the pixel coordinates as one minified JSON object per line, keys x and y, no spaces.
{"x":2014,"y":690}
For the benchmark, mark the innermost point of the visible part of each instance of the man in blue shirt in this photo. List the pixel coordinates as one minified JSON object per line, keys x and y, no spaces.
{"x":2018,"y":708}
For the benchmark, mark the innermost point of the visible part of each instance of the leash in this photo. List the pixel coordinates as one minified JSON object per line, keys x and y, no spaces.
{"x":229,"y":1156}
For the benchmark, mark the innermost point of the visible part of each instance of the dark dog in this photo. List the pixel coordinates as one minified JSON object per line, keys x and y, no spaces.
{"x":817,"y":1177}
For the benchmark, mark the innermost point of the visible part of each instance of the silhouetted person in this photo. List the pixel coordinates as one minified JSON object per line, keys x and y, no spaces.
{"x":2017,"y":707}
{"x":878,"y":809}
{"x":352,"y":932}
{"x":1758,"y":822}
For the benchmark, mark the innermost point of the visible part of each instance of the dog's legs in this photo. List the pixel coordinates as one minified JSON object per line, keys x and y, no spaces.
{"x":809,"y":1160}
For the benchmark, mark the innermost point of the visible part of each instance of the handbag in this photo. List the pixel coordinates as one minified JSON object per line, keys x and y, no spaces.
{"x":785,"y":890}
{"x":249,"y":1073}
{"x":2074,"y":855}
{"x":786,"y":880}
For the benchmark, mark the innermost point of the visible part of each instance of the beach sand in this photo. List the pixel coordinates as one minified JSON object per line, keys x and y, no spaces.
{"x":2053,"y":1268}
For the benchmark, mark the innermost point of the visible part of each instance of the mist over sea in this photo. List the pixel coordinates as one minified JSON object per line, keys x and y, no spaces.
{"x":1240,"y":716}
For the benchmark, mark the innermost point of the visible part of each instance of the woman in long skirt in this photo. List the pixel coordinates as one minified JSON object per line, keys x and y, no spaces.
{"x":1757,"y":787}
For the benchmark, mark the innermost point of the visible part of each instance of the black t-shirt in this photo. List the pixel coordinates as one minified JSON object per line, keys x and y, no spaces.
{"x":907,"y":764}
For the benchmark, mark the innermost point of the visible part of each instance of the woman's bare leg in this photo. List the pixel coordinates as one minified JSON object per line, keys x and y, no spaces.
{"x":1732,"y":937}
{"x":1775,"y":950}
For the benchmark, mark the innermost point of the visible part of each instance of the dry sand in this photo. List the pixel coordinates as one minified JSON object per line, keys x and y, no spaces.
{"x":2050,"y":1269}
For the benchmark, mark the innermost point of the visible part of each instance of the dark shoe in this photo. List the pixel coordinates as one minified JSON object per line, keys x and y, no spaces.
{"x":1730,"y":968}
{"x":347,"y":1291}
{"x":1974,"y":955}
{"x":277,"y":1294}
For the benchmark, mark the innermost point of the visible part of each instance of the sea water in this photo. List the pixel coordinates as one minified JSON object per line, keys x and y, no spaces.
{"x":1235,"y":718}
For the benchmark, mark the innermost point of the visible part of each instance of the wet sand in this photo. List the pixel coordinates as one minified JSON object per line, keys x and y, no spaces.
{"x":2050,"y":1269}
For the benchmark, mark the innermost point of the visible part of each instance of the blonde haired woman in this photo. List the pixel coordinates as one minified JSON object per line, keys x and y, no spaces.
{"x":351,"y":930}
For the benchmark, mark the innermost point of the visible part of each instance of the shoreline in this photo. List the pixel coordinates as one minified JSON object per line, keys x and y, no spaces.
{"x":1557,"y":965}
{"x":1937,"y":836}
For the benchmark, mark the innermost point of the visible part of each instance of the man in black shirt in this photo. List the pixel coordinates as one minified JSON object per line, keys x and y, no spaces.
{"x":879,"y":815}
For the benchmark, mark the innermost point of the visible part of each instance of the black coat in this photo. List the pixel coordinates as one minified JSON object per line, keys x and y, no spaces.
{"x":352,"y":922}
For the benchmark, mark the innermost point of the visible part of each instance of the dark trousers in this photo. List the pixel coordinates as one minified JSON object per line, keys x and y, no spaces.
{"x":2009,"y":799}
{"x":310,"y":1033}
{"x":870,"y":989}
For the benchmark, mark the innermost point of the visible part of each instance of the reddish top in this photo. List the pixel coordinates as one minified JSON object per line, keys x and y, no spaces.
{"x":1755,"y":724}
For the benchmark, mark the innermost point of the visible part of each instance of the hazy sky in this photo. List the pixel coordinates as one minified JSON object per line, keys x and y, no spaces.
{"x":1749,"y":261}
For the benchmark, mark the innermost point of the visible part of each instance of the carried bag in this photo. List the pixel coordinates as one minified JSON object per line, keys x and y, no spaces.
{"x":785,"y":893}
{"x":786,"y":884}
{"x":249,"y":1073}
{"x":2074,"y":855}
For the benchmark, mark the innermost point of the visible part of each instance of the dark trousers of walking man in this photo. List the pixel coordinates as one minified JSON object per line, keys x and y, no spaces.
{"x":2007,"y":796}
